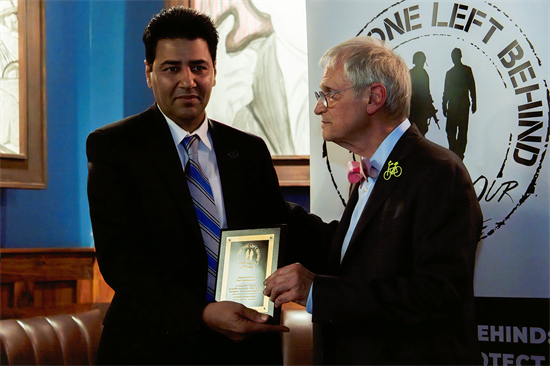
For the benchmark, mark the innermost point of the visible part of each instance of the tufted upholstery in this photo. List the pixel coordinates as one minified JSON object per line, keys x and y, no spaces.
{"x":72,"y":339}
{"x":69,"y":339}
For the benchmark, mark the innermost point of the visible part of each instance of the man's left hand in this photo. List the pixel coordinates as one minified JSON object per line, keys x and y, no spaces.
{"x":290,"y":283}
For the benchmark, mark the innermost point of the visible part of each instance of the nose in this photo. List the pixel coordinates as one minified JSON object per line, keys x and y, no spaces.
{"x":319,"y":107}
{"x":187,"y":79}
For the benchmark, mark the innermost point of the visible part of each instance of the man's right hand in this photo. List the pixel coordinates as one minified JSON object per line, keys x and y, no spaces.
{"x":236,"y":321}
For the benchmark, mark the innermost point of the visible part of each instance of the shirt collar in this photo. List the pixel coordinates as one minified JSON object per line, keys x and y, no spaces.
{"x":381,"y":154}
{"x":178,"y":133}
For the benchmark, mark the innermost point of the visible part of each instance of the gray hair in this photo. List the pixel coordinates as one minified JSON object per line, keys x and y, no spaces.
{"x":368,"y":60}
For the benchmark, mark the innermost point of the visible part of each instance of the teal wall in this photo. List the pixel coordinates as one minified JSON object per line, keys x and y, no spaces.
{"x":95,"y":75}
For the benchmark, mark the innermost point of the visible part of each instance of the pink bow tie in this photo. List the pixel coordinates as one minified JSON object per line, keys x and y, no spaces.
{"x":358,"y":171}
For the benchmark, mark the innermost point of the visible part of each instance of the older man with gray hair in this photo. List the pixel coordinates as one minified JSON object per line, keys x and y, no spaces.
{"x":396,"y":286}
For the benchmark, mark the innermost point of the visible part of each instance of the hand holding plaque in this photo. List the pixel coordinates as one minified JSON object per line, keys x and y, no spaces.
{"x":289,"y":284}
{"x":247,"y":258}
{"x":237,"y":322}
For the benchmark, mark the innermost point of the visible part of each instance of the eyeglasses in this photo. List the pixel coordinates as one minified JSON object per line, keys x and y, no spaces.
{"x":324,"y":96}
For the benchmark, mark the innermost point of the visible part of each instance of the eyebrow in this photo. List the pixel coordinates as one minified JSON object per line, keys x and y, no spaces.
{"x":198,"y":62}
{"x":177,"y":62}
{"x":169,"y":62}
{"x":326,"y":89}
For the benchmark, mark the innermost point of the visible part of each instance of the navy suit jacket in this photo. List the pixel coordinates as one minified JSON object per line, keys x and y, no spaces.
{"x":403,"y":293}
{"x":148,"y":241}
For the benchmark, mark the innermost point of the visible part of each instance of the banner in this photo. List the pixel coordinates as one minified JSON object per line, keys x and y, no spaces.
{"x":480,"y":87}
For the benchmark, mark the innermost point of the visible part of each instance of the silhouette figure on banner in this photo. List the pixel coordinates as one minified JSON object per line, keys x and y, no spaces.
{"x":460,"y":89}
{"x":422,"y":108}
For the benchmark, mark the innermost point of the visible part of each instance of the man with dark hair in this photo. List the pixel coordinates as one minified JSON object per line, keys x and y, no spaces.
{"x":397,"y":285}
{"x":161,"y":185}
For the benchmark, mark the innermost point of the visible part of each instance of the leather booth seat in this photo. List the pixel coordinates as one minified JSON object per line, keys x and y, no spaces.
{"x":72,"y":339}
{"x":68,"y":339}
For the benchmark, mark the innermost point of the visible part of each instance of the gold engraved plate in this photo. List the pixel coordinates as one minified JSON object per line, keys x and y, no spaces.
{"x":247,"y":258}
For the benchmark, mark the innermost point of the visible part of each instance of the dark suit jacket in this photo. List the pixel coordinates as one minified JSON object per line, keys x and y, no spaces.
{"x":403,"y":293}
{"x":149,"y":245}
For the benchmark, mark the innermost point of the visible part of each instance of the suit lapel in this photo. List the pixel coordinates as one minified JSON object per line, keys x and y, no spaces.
{"x":163,"y":154}
{"x":383,"y":187}
{"x":227,"y":155}
{"x":339,"y":236}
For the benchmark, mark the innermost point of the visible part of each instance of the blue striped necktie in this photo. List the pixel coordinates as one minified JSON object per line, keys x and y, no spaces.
{"x":205,"y":208}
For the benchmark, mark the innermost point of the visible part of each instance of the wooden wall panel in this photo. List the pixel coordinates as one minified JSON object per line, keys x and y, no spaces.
{"x":6,"y":300}
{"x":54,"y":293}
{"x":50,"y":281}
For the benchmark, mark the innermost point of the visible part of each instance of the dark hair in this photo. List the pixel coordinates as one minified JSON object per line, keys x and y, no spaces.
{"x":179,"y":22}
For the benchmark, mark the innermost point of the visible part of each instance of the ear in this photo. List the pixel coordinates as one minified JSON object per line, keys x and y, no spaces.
{"x":376,"y":98}
{"x":148,"y":70}
{"x":215,"y":72}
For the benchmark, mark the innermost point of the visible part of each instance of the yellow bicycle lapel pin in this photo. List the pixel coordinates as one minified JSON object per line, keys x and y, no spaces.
{"x":394,"y":170}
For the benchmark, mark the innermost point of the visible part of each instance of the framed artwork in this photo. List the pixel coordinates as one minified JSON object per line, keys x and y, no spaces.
{"x":261,"y":84}
{"x":22,"y":95}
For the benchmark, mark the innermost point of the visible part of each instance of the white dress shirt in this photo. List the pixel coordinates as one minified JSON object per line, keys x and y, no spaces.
{"x":207,"y":160}
{"x":377,"y":161}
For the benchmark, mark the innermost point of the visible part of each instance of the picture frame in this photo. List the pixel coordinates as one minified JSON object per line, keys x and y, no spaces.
{"x":28,"y":167}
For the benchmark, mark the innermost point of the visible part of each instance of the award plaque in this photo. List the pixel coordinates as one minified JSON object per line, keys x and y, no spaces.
{"x":247,"y":258}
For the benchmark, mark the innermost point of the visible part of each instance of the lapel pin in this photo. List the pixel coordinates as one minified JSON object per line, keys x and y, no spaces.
{"x":394,"y":170}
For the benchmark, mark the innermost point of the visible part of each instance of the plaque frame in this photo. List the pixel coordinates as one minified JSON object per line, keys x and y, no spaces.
{"x":238,"y":269}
